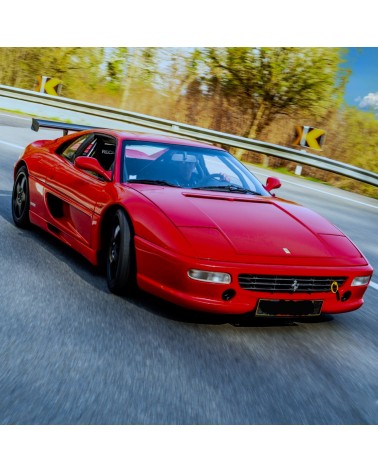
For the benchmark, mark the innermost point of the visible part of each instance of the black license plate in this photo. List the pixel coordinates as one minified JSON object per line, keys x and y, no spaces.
{"x":289,"y":307}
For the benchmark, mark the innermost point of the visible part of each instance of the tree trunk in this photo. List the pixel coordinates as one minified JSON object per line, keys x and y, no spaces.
{"x":251,"y":133}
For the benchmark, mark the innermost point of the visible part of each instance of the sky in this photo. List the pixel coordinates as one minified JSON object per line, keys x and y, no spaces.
{"x":362,"y":88}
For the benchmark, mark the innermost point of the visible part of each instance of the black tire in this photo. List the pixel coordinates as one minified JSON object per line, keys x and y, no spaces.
{"x":20,"y":199}
{"x":120,"y":260}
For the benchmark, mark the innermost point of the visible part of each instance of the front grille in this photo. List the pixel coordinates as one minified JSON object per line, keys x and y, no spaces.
{"x":288,"y":284}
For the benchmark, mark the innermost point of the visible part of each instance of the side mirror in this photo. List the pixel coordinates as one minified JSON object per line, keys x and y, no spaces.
{"x":272,"y":183}
{"x":92,"y":165}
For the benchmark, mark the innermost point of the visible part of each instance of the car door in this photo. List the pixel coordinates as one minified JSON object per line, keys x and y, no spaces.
{"x":72,"y":193}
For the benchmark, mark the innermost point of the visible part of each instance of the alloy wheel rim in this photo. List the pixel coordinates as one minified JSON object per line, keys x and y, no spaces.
{"x":114,"y":250}
{"x":20,"y":196}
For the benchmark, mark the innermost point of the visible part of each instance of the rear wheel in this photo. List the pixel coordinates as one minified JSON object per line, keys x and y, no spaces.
{"x":20,"y":199}
{"x":120,"y":260}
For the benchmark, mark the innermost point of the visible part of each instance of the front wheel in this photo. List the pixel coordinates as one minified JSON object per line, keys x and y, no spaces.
{"x":20,"y":199}
{"x":120,"y":261}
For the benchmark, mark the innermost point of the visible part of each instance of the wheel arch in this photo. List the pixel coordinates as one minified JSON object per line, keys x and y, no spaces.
{"x":104,"y":230}
{"x":17,"y":167}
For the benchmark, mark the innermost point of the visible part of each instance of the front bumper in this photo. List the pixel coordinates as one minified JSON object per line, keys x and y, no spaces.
{"x":165,"y":275}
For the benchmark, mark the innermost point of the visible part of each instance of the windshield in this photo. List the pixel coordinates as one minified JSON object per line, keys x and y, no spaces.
{"x":187,"y":167}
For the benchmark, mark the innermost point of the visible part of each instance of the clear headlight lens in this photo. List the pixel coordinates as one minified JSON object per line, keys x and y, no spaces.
{"x":213,"y":277}
{"x":363,"y":280}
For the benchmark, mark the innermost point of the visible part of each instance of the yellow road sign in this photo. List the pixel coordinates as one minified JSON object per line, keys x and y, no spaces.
{"x":306,"y":136}
{"x":52,"y":86}
{"x":49,"y":85}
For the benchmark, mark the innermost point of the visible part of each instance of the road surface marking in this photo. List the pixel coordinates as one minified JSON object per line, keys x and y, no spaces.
{"x":12,"y":145}
{"x":320,"y":191}
{"x":373,"y":285}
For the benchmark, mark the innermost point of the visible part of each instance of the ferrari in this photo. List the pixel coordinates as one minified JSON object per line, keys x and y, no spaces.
{"x":187,"y":222}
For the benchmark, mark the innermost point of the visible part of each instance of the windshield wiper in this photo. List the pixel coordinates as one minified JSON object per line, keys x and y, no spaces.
{"x":229,"y":188}
{"x":151,"y":182}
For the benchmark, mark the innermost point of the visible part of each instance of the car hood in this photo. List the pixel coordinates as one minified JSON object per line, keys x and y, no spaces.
{"x":250,"y":225}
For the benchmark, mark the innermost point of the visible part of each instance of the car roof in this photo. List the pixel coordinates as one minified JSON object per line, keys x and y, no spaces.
{"x":156,"y":138}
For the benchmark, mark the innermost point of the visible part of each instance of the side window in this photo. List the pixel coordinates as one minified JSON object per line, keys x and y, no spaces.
{"x":70,"y":149}
{"x":103,"y":149}
{"x":89,"y":148}
{"x":214,"y":165}
{"x":98,"y":146}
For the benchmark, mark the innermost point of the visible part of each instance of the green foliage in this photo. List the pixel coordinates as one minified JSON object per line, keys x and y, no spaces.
{"x":263,"y":83}
{"x":78,"y":68}
{"x":361,"y":139}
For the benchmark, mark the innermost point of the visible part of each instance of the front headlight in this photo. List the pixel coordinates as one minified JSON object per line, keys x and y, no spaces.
{"x":363,"y":280}
{"x":212,"y":277}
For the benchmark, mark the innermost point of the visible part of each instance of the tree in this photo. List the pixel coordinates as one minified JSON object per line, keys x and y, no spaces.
{"x":78,"y":68}
{"x":129,"y":68}
{"x":263,"y":83}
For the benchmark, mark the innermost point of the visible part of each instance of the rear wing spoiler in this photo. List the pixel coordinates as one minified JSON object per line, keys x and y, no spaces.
{"x":65,"y":127}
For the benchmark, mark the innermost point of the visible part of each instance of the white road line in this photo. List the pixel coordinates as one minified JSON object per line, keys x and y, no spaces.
{"x":321,"y":191}
{"x":8,"y":115}
{"x":12,"y":145}
{"x":373,"y":285}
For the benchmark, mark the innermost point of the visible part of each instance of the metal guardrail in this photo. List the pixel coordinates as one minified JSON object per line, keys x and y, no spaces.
{"x":182,"y":129}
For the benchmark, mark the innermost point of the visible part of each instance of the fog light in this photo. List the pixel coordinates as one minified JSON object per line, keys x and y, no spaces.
{"x":346,"y":296}
{"x":213,"y":277}
{"x":228,"y":295}
{"x":364,"y":280}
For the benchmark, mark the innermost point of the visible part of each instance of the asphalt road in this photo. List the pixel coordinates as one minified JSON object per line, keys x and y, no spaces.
{"x":72,"y":353}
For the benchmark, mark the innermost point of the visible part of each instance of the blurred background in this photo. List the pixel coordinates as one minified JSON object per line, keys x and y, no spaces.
{"x":264,"y":93}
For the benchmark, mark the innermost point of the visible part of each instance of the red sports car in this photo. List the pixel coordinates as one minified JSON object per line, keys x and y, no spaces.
{"x":187,"y":222}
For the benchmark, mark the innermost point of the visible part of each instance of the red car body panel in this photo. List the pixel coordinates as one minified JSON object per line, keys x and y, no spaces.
{"x":177,"y":229}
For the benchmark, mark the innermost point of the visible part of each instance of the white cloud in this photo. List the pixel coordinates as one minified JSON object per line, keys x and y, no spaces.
{"x":369,"y":101}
